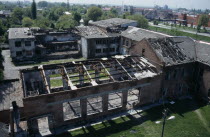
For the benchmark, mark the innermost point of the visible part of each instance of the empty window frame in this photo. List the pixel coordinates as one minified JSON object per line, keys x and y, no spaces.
{"x":71,"y":110}
{"x":112,"y":49}
{"x":114,"y":100}
{"x":19,"y":53}
{"x":98,"y":50}
{"x":133,"y":97}
{"x":105,"y":50}
{"x":27,"y":43}
{"x":18,"y":44}
{"x":94,"y":105}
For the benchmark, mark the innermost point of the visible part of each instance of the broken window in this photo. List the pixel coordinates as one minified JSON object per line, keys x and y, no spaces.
{"x":142,"y":52}
{"x":127,"y":43}
{"x":115,"y":100}
{"x":98,"y":50}
{"x":18,"y":44}
{"x":112,"y":49}
{"x":27,"y":43}
{"x":19,"y":53}
{"x":105,"y":50}
{"x":29,"y":53}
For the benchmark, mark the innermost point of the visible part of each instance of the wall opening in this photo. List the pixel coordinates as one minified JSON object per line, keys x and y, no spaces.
{"x":71,"y":110}
{"x":94,"y":105}
{"x":114,"y":100}
{"x":133,"y":98}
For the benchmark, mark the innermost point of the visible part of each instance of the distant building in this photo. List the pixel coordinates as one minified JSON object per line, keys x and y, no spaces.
{"x":21,"y":43}
{"x":5,"y":13}
{"x":114,"y":24}
{"x":33,"y":43}
{"x":97,"y":43}
{"x":126,"y":8}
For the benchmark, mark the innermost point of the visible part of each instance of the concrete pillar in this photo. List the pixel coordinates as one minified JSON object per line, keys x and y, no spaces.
{"x":65,"y":84}
{"x":97,"y":74}
{"x":124,"y":98}
{"x":81,"y":77}
{"x":105,"y":99}
{"x":12,"y":128}
{"x":58,"y":114}
{"x":83,"y":105}
{"x":48,"y":80}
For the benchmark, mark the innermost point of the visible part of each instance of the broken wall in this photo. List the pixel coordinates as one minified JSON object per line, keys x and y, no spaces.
{"x":53,"y":103}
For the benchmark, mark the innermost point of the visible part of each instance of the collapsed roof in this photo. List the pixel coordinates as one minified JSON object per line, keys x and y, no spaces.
{"x":113,"y":22}
{"x":81,"y":74}
{"x":94,"y":32}
{"x":176,"y":50}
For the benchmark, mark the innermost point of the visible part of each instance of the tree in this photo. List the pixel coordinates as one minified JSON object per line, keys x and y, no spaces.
{"x":43,"y":4}
{"x":94,"y":13}
{"x":77,"y":16}
{"x":17,"y":15}
{"x":42,"y":23}
{"x":27,"y":22}
{"x":66,"y":22}
{"x":142,"y":21}
{"x":203,"y":20}
{"x":33,"y":9}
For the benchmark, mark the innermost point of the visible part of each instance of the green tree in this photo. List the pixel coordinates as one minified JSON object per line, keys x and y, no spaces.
{"x":27,"y":22}
{"x":203,"y":20}
{"x":33,"y":10}
{"x":142,"y":21}
{"x":43,"y":4}
{"x":42,"y":23}
{"x":66,"y":22}
{"x":94,"y":13}
{"x":17,"y":15}
{"x":77,"y":16}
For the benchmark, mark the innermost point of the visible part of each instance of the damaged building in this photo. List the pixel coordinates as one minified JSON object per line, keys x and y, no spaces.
{"x":133,"y":35}
{"x":88,"y":90}
{"x":97,"y":43}
{"x":102,"y":38}
{"x":184,"y":61}
{"x":32,"y":43}
{"x":114,"y":24}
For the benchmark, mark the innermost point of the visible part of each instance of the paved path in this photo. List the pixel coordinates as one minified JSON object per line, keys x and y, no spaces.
{"x":10,"y":70}
{"x":188,"y":31}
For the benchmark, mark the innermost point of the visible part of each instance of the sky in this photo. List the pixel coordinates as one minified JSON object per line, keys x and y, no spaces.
{"x":197,"y":4}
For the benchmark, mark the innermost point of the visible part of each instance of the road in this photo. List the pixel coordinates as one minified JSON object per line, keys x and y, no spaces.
{"x":169,"y":27}
{"x":10,"y":70}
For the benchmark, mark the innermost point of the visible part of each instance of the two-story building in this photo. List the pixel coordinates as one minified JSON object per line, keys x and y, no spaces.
{"x":21,"y":43}
{"x":97,"y":43}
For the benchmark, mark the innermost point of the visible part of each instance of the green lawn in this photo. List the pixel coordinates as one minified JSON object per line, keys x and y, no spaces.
{"x":174,"y":32}
{"x":191,"y":120}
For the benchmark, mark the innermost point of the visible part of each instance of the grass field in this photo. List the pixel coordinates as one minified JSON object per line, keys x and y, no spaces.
{"x":175,"y":32}
{"x":191,"y":120}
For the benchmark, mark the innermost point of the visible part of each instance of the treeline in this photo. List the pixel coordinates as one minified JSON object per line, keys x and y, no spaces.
{"x":59,"y":16}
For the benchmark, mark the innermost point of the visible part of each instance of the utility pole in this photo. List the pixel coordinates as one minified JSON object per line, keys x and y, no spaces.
{"x":165,"y":113}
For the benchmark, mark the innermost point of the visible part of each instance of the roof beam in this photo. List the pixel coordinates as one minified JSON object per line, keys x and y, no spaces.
{"x":93,"y":82}
{"x":44,"y":78}
{"x":124,"y":69}
{"x":66,"y":77}
{"x":110,"y":76}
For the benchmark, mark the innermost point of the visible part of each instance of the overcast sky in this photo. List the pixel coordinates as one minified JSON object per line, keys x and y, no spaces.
{"x":197,"y":4}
